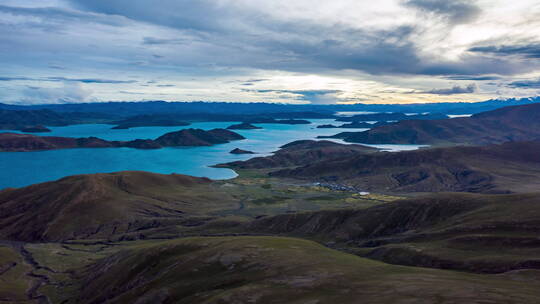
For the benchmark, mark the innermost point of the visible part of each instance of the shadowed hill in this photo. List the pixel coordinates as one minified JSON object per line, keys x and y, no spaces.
{"x":197,"y":137}
{"x":276,"y":270}
{"x":481,"y":233}
{"x":496,"y":168}
{"x":301,"y":152}
{"x":518,"y":123}
{"x":138,"y":205}
{"x":30,"y":119}
{"x":12,"y":142}
{"x":103,"y":205}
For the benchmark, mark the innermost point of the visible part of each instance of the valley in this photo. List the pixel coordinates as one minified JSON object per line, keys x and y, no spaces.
{"x":302,"y":220}
{"x":194,"y":239}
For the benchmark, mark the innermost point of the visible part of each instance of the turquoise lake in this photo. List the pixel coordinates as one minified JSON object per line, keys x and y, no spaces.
{"x":19,"y":169}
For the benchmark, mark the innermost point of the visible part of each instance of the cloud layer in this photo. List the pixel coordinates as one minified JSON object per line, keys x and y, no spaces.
{"x":284,"y":51}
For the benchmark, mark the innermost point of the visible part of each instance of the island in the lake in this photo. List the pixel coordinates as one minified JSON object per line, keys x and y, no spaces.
{"x":14,"y":142}
{"x":35,"y":129}
{"x":243,"y":126}
{"x":240,"y":151}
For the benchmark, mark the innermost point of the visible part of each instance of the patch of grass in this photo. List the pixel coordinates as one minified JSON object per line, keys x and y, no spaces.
{"x":269,"y":200}
{"x":13,"y":279}
{"x":325,"y":198}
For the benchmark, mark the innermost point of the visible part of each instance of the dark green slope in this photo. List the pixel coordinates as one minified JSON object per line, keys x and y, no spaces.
{"x":480,"y":233}
{"x":277,"y":270}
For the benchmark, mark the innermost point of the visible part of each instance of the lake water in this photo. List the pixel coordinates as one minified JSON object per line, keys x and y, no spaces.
{"x":19,"y":169}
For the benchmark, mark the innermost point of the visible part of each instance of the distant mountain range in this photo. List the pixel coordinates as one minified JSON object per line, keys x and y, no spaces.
{"x":135,"y":114}
{"x":125,"y":109}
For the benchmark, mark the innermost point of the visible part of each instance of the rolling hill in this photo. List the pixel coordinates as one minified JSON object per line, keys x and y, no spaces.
{"x":14,"y":142}
{"x":276,"y":270}
{"x":471,"y":232}
{"x":138,"y":205}
{"x":105,"y":205}
{"x":89,"y":244}
{"x":301,"y":152}
{"x":510,"y":167}
{"x":517,"y":123}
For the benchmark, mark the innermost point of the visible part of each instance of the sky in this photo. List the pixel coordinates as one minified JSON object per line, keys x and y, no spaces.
{"x":301,"y":51}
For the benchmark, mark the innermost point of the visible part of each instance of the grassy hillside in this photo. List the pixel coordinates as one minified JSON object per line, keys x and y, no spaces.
{"x":139,"y":204}
{"x":480,"y":233}
{"x":102,"y":205}
{"x":258,"y":270}
{"x":14,"y":281}
{"x":510,"y":167}
{"x":140,"y":237}
{"x":301,"y":152}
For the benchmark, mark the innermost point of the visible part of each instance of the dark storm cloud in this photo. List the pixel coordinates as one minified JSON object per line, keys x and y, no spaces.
{"x":455,"y":11}
{"x":531,"y":84}
{"x":237,"y":37}
{"x":451,"y":91}
{"x":201,"y":15}
{"x":528,"y":51}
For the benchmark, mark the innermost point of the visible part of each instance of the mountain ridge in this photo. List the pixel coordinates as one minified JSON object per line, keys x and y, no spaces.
{"x":517,"y":123}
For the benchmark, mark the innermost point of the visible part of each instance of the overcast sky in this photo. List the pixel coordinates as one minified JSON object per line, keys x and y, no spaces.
{"x":296,"y":51}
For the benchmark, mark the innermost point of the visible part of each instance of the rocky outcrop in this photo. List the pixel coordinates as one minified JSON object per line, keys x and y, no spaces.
{"x":240,"y":151}
{"x":327,"y":126}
